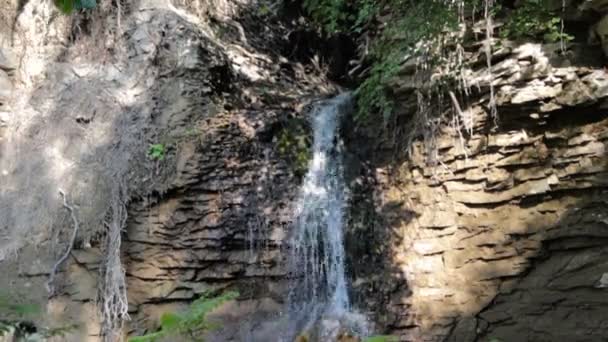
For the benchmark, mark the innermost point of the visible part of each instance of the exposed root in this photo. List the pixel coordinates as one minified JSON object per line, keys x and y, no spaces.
{"x":113,"y":291}
{"x":49,"y":284}
{"x":488,"y":50}
{"x":457,"y":125}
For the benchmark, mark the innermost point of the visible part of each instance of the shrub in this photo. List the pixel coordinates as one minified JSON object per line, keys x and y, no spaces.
{"x":533,"y":19}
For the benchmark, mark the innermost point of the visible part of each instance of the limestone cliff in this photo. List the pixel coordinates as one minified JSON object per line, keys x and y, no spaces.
{"x":81,"y":104}
{"x":498,"y":230}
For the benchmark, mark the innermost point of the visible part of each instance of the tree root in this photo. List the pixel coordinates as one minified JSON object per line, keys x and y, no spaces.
{"x":49,"y":284}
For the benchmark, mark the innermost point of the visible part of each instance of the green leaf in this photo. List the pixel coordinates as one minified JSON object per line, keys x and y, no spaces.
{"x":65,"y":6}
{"x":157,"y":151}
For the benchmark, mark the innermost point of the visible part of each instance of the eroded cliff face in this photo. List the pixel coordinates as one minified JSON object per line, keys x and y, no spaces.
{"x":206,"y":81}
{"x":498,"y":231}
{"x":503,"y":235}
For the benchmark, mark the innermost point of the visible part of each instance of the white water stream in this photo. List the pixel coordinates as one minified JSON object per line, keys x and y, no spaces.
{"x":318,"y":297}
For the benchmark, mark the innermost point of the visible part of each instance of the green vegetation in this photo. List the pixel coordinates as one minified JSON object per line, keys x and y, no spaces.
{"x":341,"y":15}
{"x":16,"y":313}
{"x":533,"y":19}
{"x":191,"y":324}
{"x":68,"y":6}
{"x":293,"y":143}
{"x":157,"y":151}
{"x":424,"y":30}
{"x":413,"y":29}
{"x":413,"y":32}
{"x":13,"y":315}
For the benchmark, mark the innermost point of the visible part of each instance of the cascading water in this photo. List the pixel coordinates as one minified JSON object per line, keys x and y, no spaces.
{"x":318,"y":291}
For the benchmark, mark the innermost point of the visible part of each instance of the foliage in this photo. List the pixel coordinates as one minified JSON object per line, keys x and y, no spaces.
{"x":157,"y":151}
{"x":381,"y":338}
{"x":417,"y":29}
{"x":335,"y":16}
{"x":533,"y":19}
{"x":191,"y":324}
{"x":293,"y":143}
{"x":68,"y":6}
{"x":413,"y":31}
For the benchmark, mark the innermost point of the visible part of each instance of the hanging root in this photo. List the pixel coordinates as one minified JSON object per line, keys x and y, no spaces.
{"x":113,"y":291}
{"x":488,"y":50}
{"x":49,"y":284}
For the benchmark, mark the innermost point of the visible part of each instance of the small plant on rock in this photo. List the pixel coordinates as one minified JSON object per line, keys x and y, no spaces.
{"x":157,"y":151}
{"x":191,"y":324}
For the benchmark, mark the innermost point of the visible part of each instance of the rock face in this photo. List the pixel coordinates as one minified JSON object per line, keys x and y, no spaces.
{"x":505,"y":235}
{"x":207,"y":214}
{"x":498,"y":230}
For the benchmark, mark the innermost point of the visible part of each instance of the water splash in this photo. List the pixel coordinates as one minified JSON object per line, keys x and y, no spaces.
{"x":318,"y":293}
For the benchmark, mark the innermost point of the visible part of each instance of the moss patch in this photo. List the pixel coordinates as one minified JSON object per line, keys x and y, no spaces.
{"x":293,"y":142}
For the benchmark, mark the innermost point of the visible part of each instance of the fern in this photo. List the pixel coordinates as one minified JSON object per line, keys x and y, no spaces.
{"x":190,"y":324}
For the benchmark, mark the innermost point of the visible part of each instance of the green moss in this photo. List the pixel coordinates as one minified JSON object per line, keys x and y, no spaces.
{"x":293,"y":144}
{"x":189,"y":325}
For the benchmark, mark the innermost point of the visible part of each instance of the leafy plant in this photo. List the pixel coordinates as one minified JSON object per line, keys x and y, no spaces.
{"x":533,"y":19}
{"x":335,"y":16}
{"x":157,"y":151}
{"x":191,"y":324}
{"x":414,"y":31}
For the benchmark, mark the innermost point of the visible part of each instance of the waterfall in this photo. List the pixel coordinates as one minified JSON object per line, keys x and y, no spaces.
{"x":318,"y":290}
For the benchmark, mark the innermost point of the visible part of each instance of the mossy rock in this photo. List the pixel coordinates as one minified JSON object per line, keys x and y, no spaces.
{"x":293,"y":142}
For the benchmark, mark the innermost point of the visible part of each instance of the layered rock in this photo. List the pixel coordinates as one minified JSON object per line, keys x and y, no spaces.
{"x":504,"y":236}
{"x":206,"y":214}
